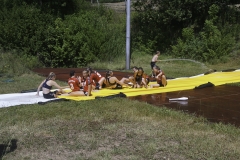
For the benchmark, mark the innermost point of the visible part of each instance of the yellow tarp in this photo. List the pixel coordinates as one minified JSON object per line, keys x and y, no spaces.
{"x":178,"y":84}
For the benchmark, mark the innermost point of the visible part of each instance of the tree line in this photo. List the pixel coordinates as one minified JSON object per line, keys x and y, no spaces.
{"x":73,"y":33}
{"x":204,"y":30}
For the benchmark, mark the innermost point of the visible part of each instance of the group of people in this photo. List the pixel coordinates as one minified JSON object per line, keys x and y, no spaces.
{"x":93,"y":80}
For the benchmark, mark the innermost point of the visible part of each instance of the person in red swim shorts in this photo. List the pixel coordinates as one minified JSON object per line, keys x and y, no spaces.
{"x":75,"y":85}
{"x":96,"y":78}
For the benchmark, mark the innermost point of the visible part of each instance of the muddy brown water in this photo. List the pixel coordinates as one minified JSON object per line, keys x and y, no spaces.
{"x":217,"y":104}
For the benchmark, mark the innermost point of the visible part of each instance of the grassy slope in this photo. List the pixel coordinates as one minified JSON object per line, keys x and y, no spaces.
{"x":113,"y":129}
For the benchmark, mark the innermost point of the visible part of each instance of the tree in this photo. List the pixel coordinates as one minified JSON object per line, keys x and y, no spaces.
{"x":163,"y":20}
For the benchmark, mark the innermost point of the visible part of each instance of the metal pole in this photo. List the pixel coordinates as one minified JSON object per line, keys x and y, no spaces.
{"x":128,"y":35}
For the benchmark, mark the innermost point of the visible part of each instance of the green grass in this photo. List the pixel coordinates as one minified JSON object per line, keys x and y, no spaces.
{"x":172,"y":68}
{"x":16,"y":84}
{"x":113,"y":129}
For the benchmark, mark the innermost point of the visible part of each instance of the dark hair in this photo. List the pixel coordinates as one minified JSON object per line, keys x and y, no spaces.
{"x":141,"y":69}
{"x":134,"y":67}
{"x":158,"y":68}
{"x":108,"y":73}
{"x":72,"y":73}
{"x":89,"y":69}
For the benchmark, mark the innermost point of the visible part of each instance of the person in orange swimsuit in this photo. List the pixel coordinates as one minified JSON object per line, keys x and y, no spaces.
{"x":96,"y":78}
{"x":87,"y":89}
{"x":160,"y":77}
{"x":75,"y":85}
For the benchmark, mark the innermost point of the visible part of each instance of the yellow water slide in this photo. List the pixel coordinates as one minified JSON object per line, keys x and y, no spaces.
{"x":178,"y":84}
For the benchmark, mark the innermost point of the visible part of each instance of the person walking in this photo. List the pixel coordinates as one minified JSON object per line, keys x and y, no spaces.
{"x":154,"y":61}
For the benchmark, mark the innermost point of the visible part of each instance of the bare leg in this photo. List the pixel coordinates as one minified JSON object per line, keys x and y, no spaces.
{"x":93,"y":87}
{"x":152,"y":74}
{"x":124,"y":80}
{"x":131,"y":79}
{"x":76,"y":93}
{"x":164,"y":80}
{"x":101,"y":81}
{"x":154,"y":86}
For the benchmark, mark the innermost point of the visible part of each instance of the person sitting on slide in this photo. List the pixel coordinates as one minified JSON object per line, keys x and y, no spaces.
{"x":130,"y":78}
{"x":140,"y":79}
{"x":47,"y":85}
{"x":85,"y":76}
{"x":112,"y":82}
{"x":88,"y":87}
{"x":75,"y":85}
{"x":160,"y":77}
{"x":96,"y":78}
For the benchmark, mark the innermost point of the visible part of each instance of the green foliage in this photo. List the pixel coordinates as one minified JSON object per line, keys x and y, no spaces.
{"x":55,"y":7}
{"x":162,"y":21}
{"x":30,"y":62}
{"x":73,"y":33}
{"x":80,"y":39}
{"x":22,"y":29}
{"x":12,"y":64}
{"x":65,"y":41}
{"x":110,"y":1}
{"x":210,"y":44}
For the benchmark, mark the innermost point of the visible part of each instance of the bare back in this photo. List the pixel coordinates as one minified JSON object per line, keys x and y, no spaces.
{"x":155,"y":58}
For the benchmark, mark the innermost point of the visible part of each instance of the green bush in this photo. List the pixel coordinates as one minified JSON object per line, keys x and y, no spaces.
{"x":163,"y":21}
{"x":22,"y":29}
{"x":11,"y":64}
{"x":91,"y":34}
{"x":81,"y":39}
{"x":110,"y":1}
{"x":209,"y":45}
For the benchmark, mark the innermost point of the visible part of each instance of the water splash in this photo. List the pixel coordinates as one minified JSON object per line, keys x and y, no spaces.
{"x":180,"y":59}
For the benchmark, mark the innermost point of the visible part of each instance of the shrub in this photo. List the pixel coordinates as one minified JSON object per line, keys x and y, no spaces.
{"x":11,"y":64}
{"x":72,"y":41}
{"x":210,"y":44}
{"x":81,"y":39}
{"x":22,"y":29}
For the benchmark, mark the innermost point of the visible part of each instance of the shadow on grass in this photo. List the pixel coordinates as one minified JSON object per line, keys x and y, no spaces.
{"x":8,"y":147}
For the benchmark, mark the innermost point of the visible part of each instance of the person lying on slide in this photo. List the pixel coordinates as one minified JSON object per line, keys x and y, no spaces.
{"x":47,"y":85}
{"x":160,"y":77}
{"x":112,"y":82}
